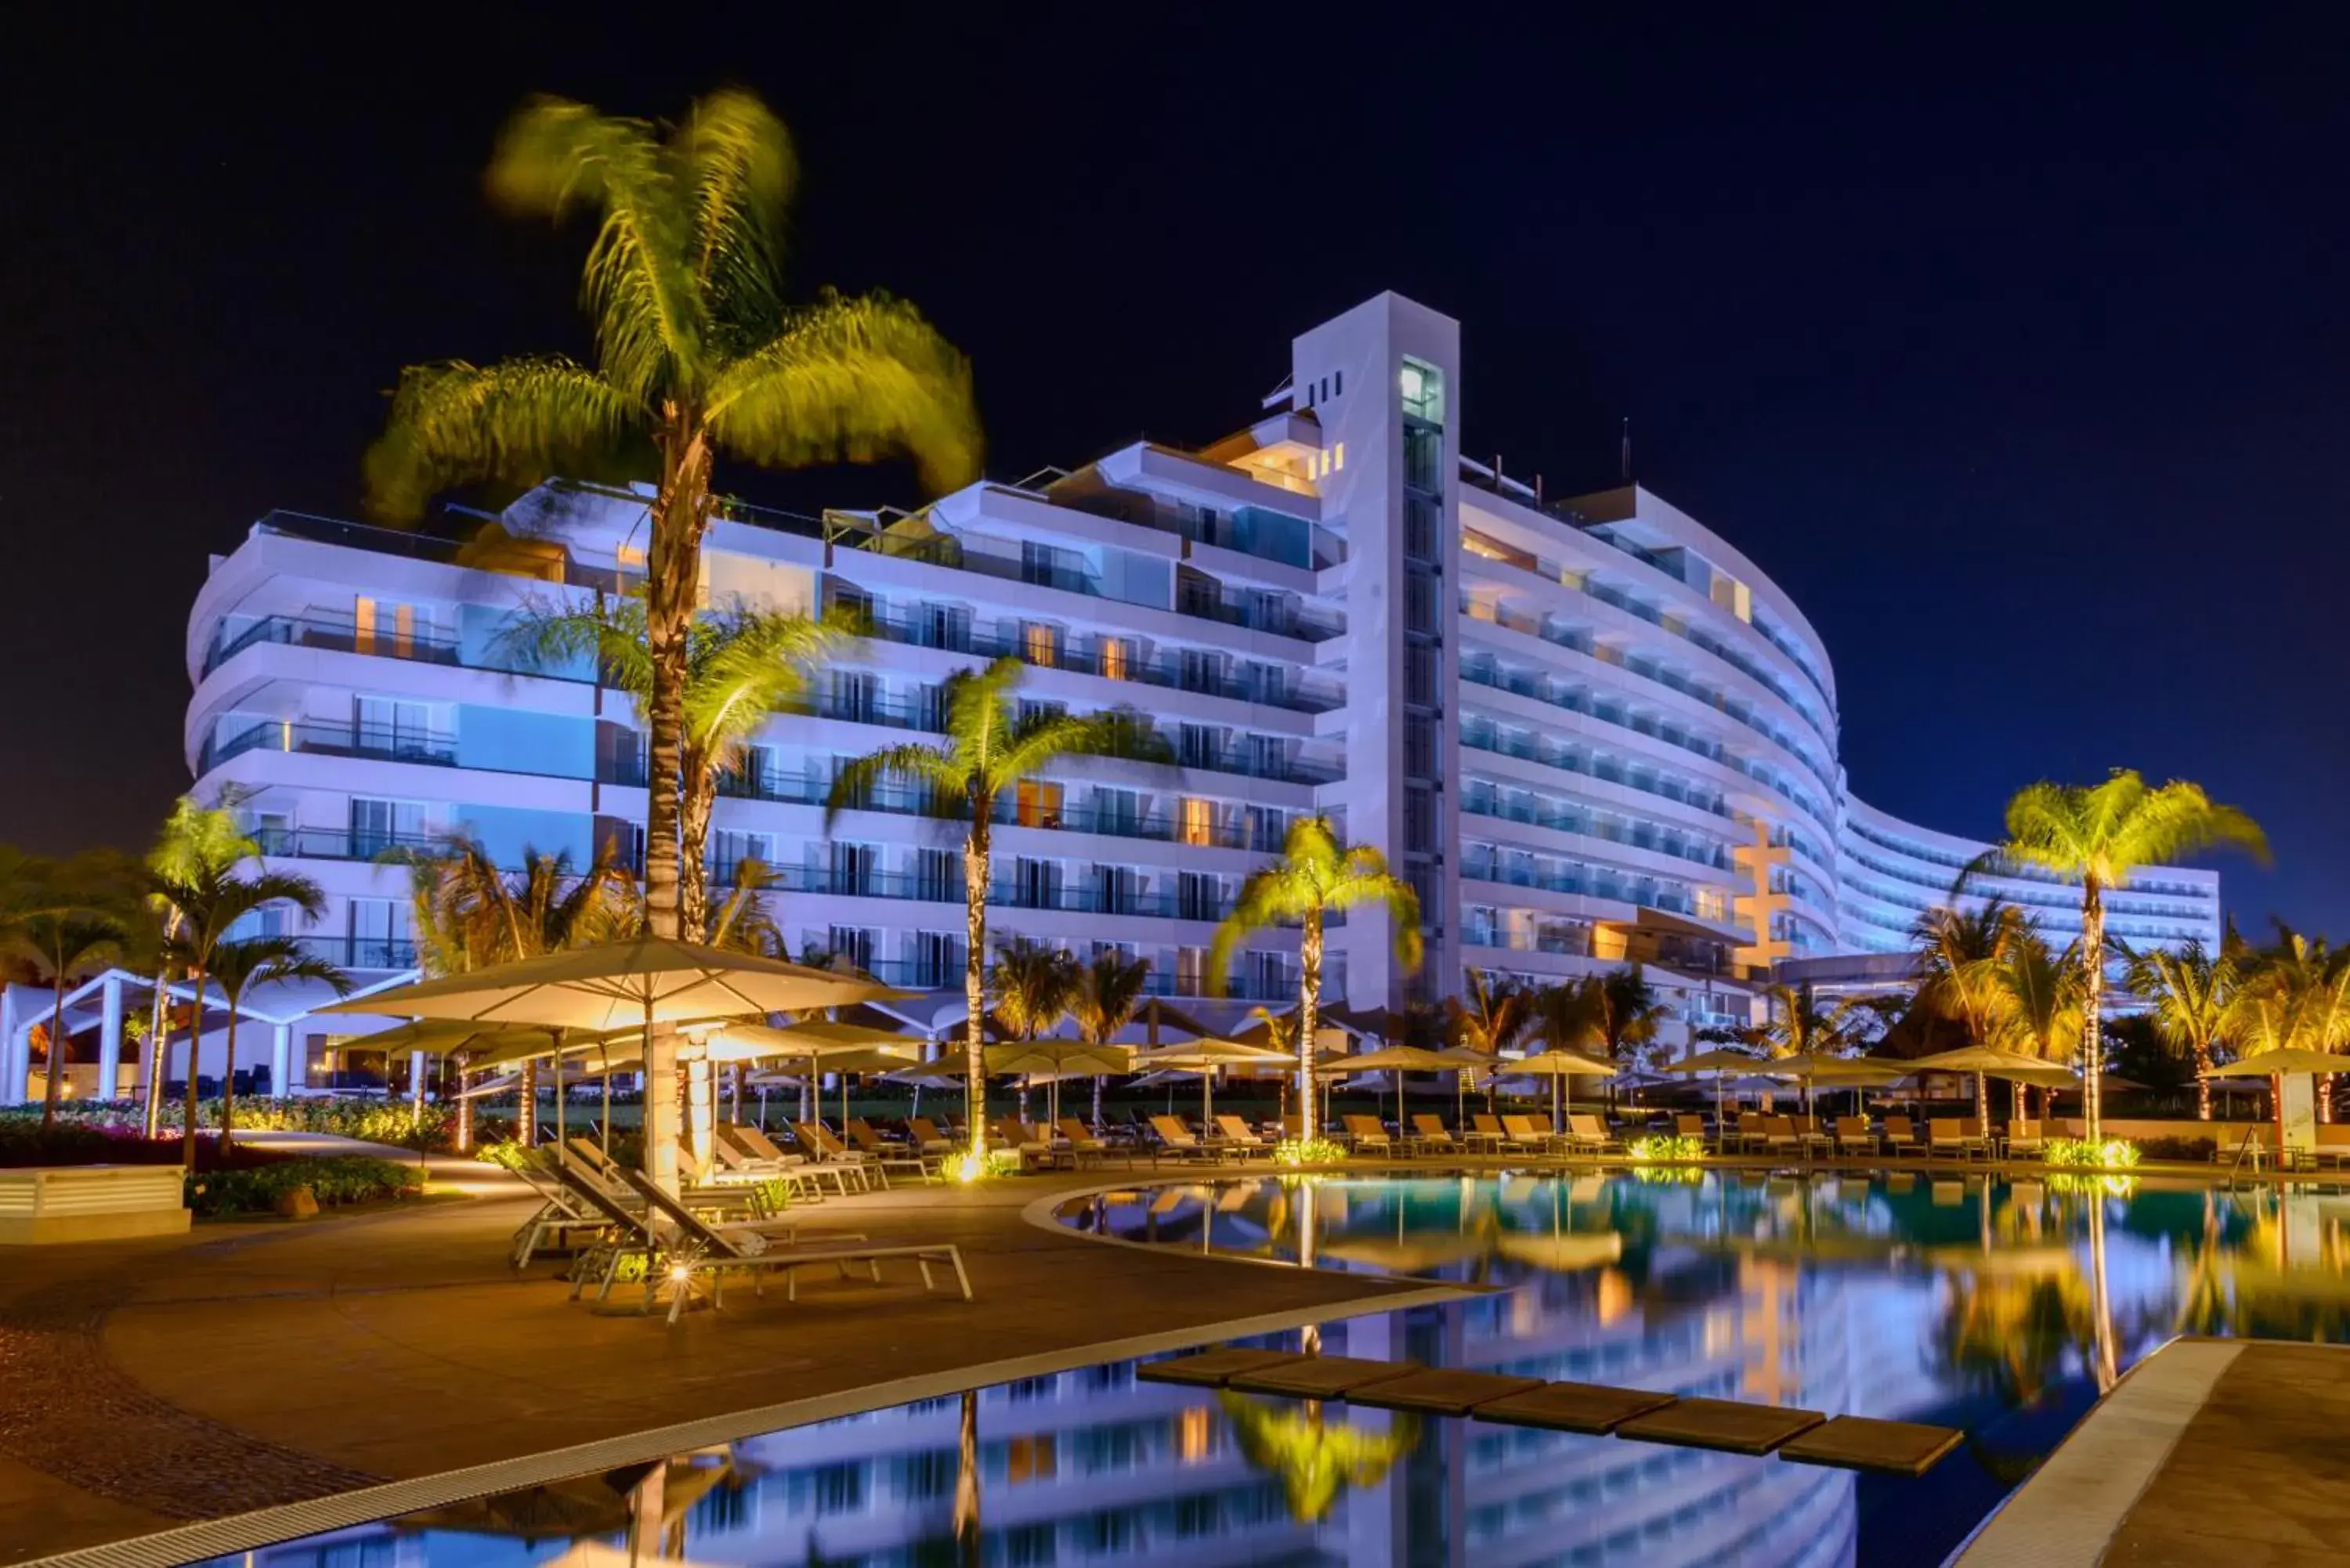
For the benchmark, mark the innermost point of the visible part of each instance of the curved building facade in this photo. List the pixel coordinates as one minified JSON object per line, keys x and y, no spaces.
{"x":1588,"y":732}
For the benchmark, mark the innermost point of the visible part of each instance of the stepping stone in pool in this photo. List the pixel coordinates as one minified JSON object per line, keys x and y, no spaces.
{"x":1864,"y":1443}
{"x":1440,"y":1393}
{"x":1212,"y":1369}
{"x":1573,"y":1407}
{"x":1724,"y":1424}
{"x":1321,"y":1376}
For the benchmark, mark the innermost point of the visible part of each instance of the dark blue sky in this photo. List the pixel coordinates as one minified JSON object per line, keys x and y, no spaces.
{"x":2014,"y":351}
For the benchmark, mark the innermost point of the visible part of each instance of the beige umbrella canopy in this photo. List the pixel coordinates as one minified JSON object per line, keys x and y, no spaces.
{"x":1557,"y":1066}
{"x":1207,"y":1056}
{"x":1721,"y":1060}
{"x":2292,"y":1059}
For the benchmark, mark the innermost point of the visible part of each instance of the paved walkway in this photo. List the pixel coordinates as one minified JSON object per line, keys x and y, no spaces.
{"x":151,"y":1383}
{"x":2211,"y":1454}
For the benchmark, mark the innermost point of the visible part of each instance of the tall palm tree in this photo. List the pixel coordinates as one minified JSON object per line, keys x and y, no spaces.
{"x":1567,"y":1016}
{"x":208,"y":902}
{"x":1799,"y":1026}
{"x":1960,"y":953}
{"x":197,"y":842}
{"x":1625,"y":1010}
{"x":988,"y":752}
{"x":2097,"y":834}
{"x":2188,"y":993}
{"x":65,"y":943}
{"x":1317,"y":875}
{"x":1108,"y":994}
{"x":1031,"y":988}
{"x":1489,"y":1017}
{"x":742,"y":664}
{"x":238,"y":966}
{"x":697,"y":352}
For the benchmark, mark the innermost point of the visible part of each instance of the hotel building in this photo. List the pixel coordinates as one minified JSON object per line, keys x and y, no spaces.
{"x":1587,"y":729}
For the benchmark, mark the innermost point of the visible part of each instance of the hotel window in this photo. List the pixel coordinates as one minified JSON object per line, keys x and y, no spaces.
{"x":853,"y":944}
{"x":1038,"y":804}
{"x":1035,"y":883}
{"x":852,"y":606}
{"x":1191,"y":972}
{"x":856,"y":695}
{"x":380,"y":934}
{"x":1117,"y":811}
{"x":1199,"y":897}
{"x":942,"y":626}
{"x":389,"y":725}
{"x":1200,"y":670}
{"x":1193,"y":1434}
{"x":1423,"y":386}
{"x":1199,"y":822}
{"x":1118,"y":658}
{"x":1200,"y":745}
{"x":380,"y":825}
{"x":853,"y":865}
{"x":1337,"y":383}
{"x":938,"y":876}
{"x":1040,"y":644}
{"x":936,"y":958}
{"x":1029,"y":1458}
{"x":1120,"y":889}
{"x":1418,"y":820}
{"x":380,"y":626}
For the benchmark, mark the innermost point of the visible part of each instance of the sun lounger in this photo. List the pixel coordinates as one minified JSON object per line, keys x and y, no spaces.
{"x":1084,"y":1145}
{"x":1947,"y":1136}
{"x":1855,"y":1135}
{"x":888,"y":1157}
{"x":1242,"y":1138}
{"x":696,"y":1253}
{"x":1818,"y":1137}
{"x":626,"y":1229}
{"x":928,"y":1139}
{"x":560,"y":1211}
{"x":1430,"y":1135}
{"x":826,"y":1152}
{"x":2026,"y":1140}
{"x":1902,"y":1137}
{"x":1175,"y":1139}
{"x":1586,"y":1133}
{"x":1367,"y":1135}
{"x":1493,"y":1137}
{"x":1779,"y":1136}
{"x":1686,"y":1125}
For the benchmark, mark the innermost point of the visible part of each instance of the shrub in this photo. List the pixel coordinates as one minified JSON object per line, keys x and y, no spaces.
{"x":2080,"y":1154}
{"x":370,"y":1120}
{"x":1674,"y":1149}
{"x":1308,"y":1151}
{"x":505,"y":1154}
{"x":342,"y":1179}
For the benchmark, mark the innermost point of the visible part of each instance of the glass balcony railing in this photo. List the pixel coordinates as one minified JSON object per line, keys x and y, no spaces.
{"x":382,"y":743}
{"x":1005,"y":893}
{"x":1491,"y":740}
{"x":336,"y":636}
{"x":341,"y":844}
{"x":1559,"y":820}
{"x":362,"y":953}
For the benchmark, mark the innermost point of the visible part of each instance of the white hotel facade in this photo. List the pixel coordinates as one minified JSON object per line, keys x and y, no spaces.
{"x":1586,"y":731}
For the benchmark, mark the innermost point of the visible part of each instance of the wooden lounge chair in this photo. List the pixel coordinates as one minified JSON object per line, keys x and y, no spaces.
{"x":1855,"y":1135}
{"x":1817,"y":1135}
{"x":695,"y":1252}
{"x":1779,"y":1136}
{"x":1902,"y":1137}
{"x":1687,"y":1126}
{"x":887,"y":1156}
{"x":927,"y":1137}
{"x":1240,"y":1136}
{"x":826,"y":1152}
{"x":627,"y":1223}
{"x":1947,"y":1136}
{"x":1368,"y":1135}
{"x":1430,"y":1135}
{"x":1177,"y":1139}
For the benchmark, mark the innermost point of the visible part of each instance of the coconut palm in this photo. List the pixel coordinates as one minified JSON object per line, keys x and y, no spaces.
{"x":1627,"y":1012}
{"x":2039,"y":1000}
{"x":1109,"y":993}
{"x":989,"y":750}
{"x":64,"y":943}
{"x":1317,"y":876}
{"x":2293,"y":993}
{"x":1799,"y":1026}
{"x":1490,"y":1016}
{"x":1030,"y":987}
{"x":2188,"y":993}
{"x":697,"y":353}
{"x":197,"y":842}
{"x":1959,"y":955}
{"x":238,"y":966}
{"x":2097,"y":834}
{"x":209,"y":903}
{"x":742,"y":664}
{"x":1567,"y":1016}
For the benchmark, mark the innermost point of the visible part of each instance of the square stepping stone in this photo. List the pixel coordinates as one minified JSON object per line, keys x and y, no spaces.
{"x":1727,"y":1425}
{"x":1865,"y":1443}
{"x":1573,"y":1407}
{"x":1440,"y":1393}
{"x":1321,"y":1376}
{"x":1212,"y":1369}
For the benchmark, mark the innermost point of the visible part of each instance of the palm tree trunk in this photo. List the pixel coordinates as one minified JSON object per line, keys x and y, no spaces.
{"x":2202,"y":1083}
{"x":2093,"y":996}
{"x":228,"y":1083}
{"x":160,"y":1052}
{"x":57,"y":1054}
{"x":188,"y":1090}
{"x":526,"y":1106}
{"x":1309,"y":996}
{"x":966,"y":1497}
{"x":701,"y":786}
{"x":976,"y":854}
{"x":465,"y":1103}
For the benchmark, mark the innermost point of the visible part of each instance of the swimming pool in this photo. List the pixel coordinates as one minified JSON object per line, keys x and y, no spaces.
{"x":2000,"y":1308}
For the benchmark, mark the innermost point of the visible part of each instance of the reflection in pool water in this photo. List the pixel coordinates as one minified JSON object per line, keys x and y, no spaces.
{"x":2000,"y":1308}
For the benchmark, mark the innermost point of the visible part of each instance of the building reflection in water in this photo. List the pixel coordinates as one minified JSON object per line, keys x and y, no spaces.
{"x":2000,"y":1308}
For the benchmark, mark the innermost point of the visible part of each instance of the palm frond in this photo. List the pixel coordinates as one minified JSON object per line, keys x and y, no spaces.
{"x":555,"y":156}
{"x":910,"y":763}
{"x":741,"y":168}
{"x":454,"y":423}
{"x":852,"y":381}
{"x":551,"y":636}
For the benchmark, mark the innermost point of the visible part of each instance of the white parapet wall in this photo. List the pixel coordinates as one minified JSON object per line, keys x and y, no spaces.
{"x":90,"y":1203}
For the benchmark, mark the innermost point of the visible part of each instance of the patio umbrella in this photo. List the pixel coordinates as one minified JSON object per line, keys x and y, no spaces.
{"x":1717,"y":1061}
{"x":1984,"y":1062}
{"x":1396,"y":1059}
{"x":1205,"y":1056}
{"x":1813,"y":1069}
{"x":2276,"y":1065}
{"x":1557,"y":1066}
{"x":820,"y":1041}
{"x":511,"y":1042}
{"x":1065,"y":1059}
{"x":1466,"y":1064}
{"x":642,"y":981}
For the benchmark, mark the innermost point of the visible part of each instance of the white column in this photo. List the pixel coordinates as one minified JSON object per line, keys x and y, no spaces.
{"x":109,"y":1037}
{"x":281,"y":1060}
{"x":16,"y":1055}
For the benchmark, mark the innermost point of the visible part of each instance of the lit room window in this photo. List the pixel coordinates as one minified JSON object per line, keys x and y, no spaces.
{"x":1199,"y":822}
{"x":1031,"y":1458}
{"x":1116,"y":658}
{"x":1040,"y":644}
{"x":1338,"y":456}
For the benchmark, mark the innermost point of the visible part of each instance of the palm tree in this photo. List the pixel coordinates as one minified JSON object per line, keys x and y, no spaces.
{"x":1799,"y":1026}
{"x":696,"y":352}
{"x":236,"y":967}
{"x":2097,"y":834}
{"x":64,"y":943}
{"x":207,"y":903}
{"x":1960,"y":953}
{"x":2039,"y":996}
{"x":197,"y":842}
{"x":1032,"y":987}
{"x":988,"y":752}
{"x":742,"y":665}
{"x":1625,"y":1011}
{"x":1490,"y":1017}
{"x":1108,"y":994}
{"x":2294,"y":994}
{"x":1317,"y":875}
{"x":2188,"y":993}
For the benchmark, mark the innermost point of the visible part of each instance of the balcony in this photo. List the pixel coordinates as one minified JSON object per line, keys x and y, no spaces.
{"x":1559,"y":820}
{"x":342,"y":844}
{"x":376,"y":742}
{"x":362,"y":953}
{"x":335,"y":636}
{"x":1490,"y":740}
{"x":1170,"y":673}
{"x":1003,"y":895}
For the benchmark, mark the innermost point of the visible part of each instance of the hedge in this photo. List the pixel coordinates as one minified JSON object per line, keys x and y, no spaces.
{"x":335,"y":1181}
{"x":370,"y":1120}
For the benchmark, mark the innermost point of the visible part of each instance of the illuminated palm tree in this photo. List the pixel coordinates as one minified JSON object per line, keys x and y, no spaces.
{"x":989,"y":752}
{"x":1317,"y":876}
{"x":1108,"y":994}
{"x":2294,"y":993}
{"x":1315,"y":1460}
{"x":238,"y":966}
{"x":2039,"y":996}
{"x":2188,"y":993}
{"x":2097,"y":834}
{"x":1959,"y":953}
{"x":742,"y":665}
{"x":196,"y":841}
{"x":697,"y":353}
{"x":1567,"y":1016}
{"x":1030,"y":987}
{"x":62,"y":943}
{"x":1489,"y":1017}
{"x":1626,"y":1009}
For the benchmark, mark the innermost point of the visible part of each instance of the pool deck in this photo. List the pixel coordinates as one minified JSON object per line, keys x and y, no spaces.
{"x":2228,"y":1453}
{"x":145,"y":1385}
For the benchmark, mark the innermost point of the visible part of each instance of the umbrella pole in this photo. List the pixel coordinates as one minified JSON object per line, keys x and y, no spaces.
{"x":1556,"y":1125}
{"x":562,"y":1133}
{"x":607,"y":1110}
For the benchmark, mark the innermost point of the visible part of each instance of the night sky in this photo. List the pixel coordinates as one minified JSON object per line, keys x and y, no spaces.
{"x":2016,"y":354}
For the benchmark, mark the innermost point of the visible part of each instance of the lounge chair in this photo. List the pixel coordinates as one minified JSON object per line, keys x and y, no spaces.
{"x":1177,"y":1139}
{"x":927,"y":1137}
{"x":1947,"y":1134}
{"x":1902,"y":1137}
{"x":1492,"y":1135}
{"x":1586,"y":1133}
{"x":1817,"y":1135}
{"x":1030,"y":1143}
{"x":888,"y":1157}
{"x":1242,"y":1138}
{"x":1855,"y":1135}
{"x":826,"y":1152}
{"x":696,"y":1252}
{"x":2026,"y":1140}
{"x":1084,"y":1145}
{"x":1430,"y":1135}
{"x":1687,"y":1126}
{"x":561,"y":1212}
{"x":1779,"y":1136}
{"x":626,"y":1221}
{"x":1368,"y":1135}
{"x":1531,"y":1135}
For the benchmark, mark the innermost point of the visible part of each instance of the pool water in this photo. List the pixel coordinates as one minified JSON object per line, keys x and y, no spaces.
{"x":2000,"y":1308}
